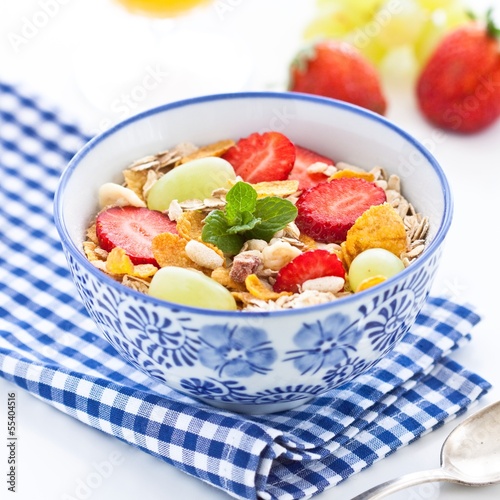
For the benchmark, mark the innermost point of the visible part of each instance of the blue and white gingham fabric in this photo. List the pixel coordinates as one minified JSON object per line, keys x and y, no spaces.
{"x":50,"y":347}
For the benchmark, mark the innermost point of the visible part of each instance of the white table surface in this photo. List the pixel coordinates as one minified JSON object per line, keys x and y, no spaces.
{"x":57,"y":454}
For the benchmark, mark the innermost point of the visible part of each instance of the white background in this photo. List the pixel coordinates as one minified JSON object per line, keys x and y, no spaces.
{"x":65,"y":61}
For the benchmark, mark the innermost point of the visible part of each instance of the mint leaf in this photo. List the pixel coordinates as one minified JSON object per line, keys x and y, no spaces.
{"x":245,"y":225}
{"x":246,"y":217}
{"x":241,"y":198}
{"x":274,"y":214}
{"x":216,"y":231}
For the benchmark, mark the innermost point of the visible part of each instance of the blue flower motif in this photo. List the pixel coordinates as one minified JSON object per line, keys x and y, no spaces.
{"x":288,"y":393}
{"x":390,"y":320}
{"x":213,"y":389}
{"x":165,"y":339}
{"x":324,"y":344}
{"x":346,"y":371}
{"x":236,"y":351}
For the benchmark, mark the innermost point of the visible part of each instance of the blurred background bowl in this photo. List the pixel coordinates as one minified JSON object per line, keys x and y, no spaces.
{"x":254,"y":362}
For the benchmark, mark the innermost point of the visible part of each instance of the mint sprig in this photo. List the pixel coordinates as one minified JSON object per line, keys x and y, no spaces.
{"x":245,"y":217}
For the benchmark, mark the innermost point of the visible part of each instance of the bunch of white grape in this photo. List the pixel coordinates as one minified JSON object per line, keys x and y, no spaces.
{"x":394,"y":34}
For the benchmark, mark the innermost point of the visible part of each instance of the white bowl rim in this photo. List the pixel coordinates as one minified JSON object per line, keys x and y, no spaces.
{"x":78,"y":255}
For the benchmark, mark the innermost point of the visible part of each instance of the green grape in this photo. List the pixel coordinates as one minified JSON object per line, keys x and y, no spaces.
{"x":370,"y":47}
{"x":373,"y":262}
{"x":400,"y":63}
{"x":428,"y":40}
{"x":438,"y":4}
{"x":437,"y":25}
{"x":397,"y":26}
{"x":455,"y":15}
{"x":191,"y":288}
{"x":338,"y":19}
{"x":360,"y":6}
{"x":327,"y":25}
{"x":195,"y":179}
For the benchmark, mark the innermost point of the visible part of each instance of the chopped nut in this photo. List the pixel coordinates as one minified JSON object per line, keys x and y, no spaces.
{"x":254,"y":245}
{"x":174,"y":210}
{"x":203,"y":255}
{"x":111,"y":194}
{"x":331,"y":284}
{"x":278,"y":254}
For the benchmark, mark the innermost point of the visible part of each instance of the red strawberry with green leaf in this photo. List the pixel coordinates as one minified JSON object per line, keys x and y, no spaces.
{"x":262,"y":157}
{"x":336,"y":69}
{"x":307,"y":266}
{"x":327,"y":211}
{"x":133,"y":229}
{"x":304,"y":158}
{"x":459,"y":87}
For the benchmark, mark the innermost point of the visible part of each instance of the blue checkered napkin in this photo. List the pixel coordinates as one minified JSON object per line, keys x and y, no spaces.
{"x":50,"y":347}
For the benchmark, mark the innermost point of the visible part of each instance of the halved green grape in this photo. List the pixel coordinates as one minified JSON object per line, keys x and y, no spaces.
{"x":191,"y":288}
{"x":373,"y":262}
{"x":195,"y":179}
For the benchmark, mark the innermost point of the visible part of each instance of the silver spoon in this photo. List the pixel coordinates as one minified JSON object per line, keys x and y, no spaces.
{"x":470,"y":456}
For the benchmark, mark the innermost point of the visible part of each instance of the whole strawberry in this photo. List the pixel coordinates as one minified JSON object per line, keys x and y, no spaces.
{"x":459,"y":87}
{"x":336,"y":69}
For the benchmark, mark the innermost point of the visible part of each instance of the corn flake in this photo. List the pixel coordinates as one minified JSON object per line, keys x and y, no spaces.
{"x":216,"y":149}
{"x":118,"y":262}
{"x":222,"y":276}
{"x":276,"y":188}
{"x":170,"y":250}
{"x":260,"y":290}
{"x":190,"y":225}
{"x":135,"y":180}
{"x":378,"y":227}
{"x":309,"y":243}
{"x":243,"y":298}
{"x":369,"y":282}
{"x":143,"y":271}
{"x":367,"y":176}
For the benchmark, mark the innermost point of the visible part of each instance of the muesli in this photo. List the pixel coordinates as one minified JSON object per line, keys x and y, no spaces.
{"x":255,"y":224}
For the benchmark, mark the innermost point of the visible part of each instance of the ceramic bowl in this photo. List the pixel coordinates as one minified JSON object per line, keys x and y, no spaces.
{"x":256,"y":362}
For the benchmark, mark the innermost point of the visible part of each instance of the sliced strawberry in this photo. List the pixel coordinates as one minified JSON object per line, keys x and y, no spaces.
{"x":307,"y":266}
{"x":133,"y":229}
{"x":327,"y":211}
{"x":304,"y":158}
{"x":262,"y":157}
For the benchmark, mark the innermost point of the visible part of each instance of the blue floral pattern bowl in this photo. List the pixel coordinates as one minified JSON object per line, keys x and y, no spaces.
{"x":255,"y":362}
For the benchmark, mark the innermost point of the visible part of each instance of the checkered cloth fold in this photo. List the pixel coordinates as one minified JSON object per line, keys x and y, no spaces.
{"x":50,"y":347}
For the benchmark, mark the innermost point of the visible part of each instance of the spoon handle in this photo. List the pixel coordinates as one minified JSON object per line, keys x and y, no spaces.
{"x":393,"y":485}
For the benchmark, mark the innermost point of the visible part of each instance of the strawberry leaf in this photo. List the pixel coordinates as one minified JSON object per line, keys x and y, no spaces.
{"x":492,"y":29}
